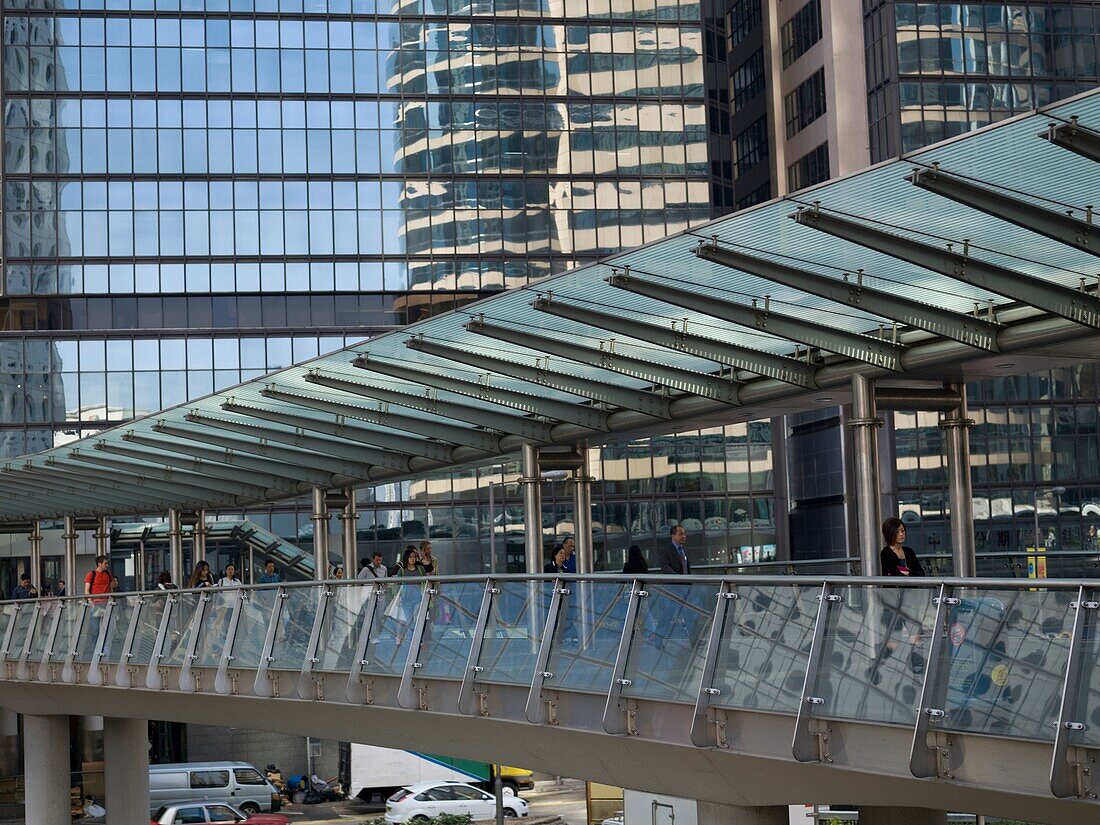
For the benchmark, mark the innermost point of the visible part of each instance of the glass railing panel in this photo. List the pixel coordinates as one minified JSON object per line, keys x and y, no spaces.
{"x":391,"y":634}
{"x":248,"y":641}
{"x":288,"y":652}
{"x":1084,"y":693}
{"x":448,"y":635}
{"x":118,"y":625}
{"x":7,"y":614}
{"x":510,"y":644}
{"x":764,"y":647}
{"x":23,"y":619}
{"x":215,"y":627}
{"x":340,"y":630}
{"x":182,"y":625}
{"x":1004,"y":659}
{"x":590,"y":626}
{"x":63,"y":639}
{"x":874,"y":654}
{"x":46,"y":614}
{"x":671,"y":629}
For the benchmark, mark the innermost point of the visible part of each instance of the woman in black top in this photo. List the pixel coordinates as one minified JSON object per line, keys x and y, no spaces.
{"x":557,"y":563}
{"x":635,"y":561}
{"x":897,"y":559}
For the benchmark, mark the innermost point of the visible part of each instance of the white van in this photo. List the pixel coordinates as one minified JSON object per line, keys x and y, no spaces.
{"x":237,"y":783}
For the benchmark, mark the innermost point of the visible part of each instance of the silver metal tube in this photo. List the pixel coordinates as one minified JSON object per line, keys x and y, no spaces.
{"x":531,"y":482}
{"x":101,"y":537}
{"x":35,"y":570}
{"x":916,"y":399}
{"x":140,"y":579}
{"x":320,"y":535}
{"x":349,"y":522}
{"x":69,"y":539}
{"x":492,"y":532}
{"x":198,"y":539}
{"x":864,"y":424}
{"x":175,"y":547}
{"x":956,"y":430}
{"x":582,"y":512}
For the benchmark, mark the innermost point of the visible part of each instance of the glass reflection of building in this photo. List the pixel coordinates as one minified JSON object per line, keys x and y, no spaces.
{"x":196,"y":193}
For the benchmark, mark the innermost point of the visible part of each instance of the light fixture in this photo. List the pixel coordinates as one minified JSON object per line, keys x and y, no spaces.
{"x":823,"y":399}
{"x":1005,"y":366}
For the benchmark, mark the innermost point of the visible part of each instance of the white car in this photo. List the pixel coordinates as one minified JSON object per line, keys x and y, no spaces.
{"x":426,"y":800}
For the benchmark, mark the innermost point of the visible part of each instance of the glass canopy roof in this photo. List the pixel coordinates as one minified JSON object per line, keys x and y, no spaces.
{"x":980,"y":245}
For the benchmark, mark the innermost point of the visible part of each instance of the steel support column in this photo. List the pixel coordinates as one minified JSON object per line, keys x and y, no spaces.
{"x":582,"y":512}
{"x":46,"y":769}
{"x":349,"y":521}
{"x":198,"y":539}
{"x":126,"y":769}
{"x":956,"y":431}
{"x":864,"y":424}
{"x":69,"y":538}
{"x":531,"y":482}
{"x":175,"y":547}
{"x":35,"y":539}
{"x":320,"y":535}
{"x":102,"y":536}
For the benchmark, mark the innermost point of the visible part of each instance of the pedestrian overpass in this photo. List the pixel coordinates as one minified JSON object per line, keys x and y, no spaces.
{"x":975,"y":695}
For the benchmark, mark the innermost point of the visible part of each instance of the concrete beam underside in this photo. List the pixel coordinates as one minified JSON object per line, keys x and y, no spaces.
{"x":720,"y":776}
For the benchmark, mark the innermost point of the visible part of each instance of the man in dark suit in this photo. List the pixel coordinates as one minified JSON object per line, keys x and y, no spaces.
{"x":674,"y":559}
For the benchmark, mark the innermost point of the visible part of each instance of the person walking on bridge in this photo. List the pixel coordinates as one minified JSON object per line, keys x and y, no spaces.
{"x":674,"y":558}
{"x":898,"y":559}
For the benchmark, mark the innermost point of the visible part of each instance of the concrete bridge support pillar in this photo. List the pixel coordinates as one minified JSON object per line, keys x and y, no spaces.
{"x":126,"y":770}
{"x":869,"y":815}
{"x":713,"y":813}
{"x":46,"y":766}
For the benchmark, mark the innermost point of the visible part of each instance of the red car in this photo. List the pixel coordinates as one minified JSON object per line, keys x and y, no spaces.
{"x":194,"y":813}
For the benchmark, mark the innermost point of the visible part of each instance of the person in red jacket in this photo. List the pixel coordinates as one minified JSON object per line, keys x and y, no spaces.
{"x":98,"y":580}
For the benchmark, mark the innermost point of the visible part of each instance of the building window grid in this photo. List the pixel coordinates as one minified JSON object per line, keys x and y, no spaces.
{"x":740,"y":21}
{"x":747,"y":80}
{"x":801,"y":32}
{"x":811,"y":168}
{"x":751,"y":145}
{"x":805,"y":104}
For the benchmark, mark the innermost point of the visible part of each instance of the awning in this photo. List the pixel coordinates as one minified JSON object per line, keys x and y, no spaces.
{"x":921,"y":267}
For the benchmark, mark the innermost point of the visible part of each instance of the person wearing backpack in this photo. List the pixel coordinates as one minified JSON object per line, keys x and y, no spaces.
{"x":99,"y":579}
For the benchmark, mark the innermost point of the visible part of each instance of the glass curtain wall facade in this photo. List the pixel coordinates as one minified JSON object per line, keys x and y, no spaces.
{"x":196,"y":193}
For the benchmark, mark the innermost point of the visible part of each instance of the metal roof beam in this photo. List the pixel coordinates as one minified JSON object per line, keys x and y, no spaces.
{"x":1071,"y":304}
{"x":17,"y":485}
{"x":489,"y":419}
{"x":779,"y":367}
{"x":340,"y":429}
{"x":649,"y":403}
{"x":162,"y":473}
{"x":1058,"y":226}
{"x":869,"y":350}
{"x":1074,"y":137}
{"x":241,"y":448}
{"x":176,"y":492}
{"x":697,"y":383}
{"x":580,"y":414}
{"x":382,"y":417}
{"x":965,"y":329}
{"x":117,"y":491}
{"x":202,"y":466}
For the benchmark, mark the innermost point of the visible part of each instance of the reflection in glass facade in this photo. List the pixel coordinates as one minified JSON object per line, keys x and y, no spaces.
{"x":936,"y":70}
{"x":195,"y":193}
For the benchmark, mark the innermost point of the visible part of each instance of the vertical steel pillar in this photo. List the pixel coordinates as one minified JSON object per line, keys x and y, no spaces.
{"x":46,"y":769}
{"x":531,"y":481}
{"x":175,"y":547}
{"x":198,"y":539}
{"x":349,"y":521}
{"x":582,"y":512}
{"x":320,"y":535}
{"x":126,"y":769}
{"x":956,"y":432}
{"x":35,"y":539}
{"x":101,"y":536}
{"x":864,"y":424}
{"x":69,"y":538}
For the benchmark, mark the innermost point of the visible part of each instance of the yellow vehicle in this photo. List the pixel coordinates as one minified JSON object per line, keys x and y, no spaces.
{"x":518,"y":779}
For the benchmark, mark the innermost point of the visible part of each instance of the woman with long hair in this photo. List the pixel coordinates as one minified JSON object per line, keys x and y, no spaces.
{"x":201,"y":576}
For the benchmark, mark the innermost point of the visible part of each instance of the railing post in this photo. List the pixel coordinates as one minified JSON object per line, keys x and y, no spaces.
{"x":613,"y":713}
{"x":187,"y":681}
{"x":153,"y":679}
{"x":811,"y":736}
{"x":412,"y":662}
{"x":926,"y":760}
{"x":221,"y":680}
{"x":702,"y":735}
{"x":261,"y":686}
{"x":354,"y":692}
{"x":68,"y":671}
{"x":43,"y":670}
{"x":21,"y":671}
{"x":467,"y":702}
{"x":124,"y":672}
{"x":95,"y":674}
{"x":536,"y":710}
{"x":308,"y":688}
{"x":1069,"y":776}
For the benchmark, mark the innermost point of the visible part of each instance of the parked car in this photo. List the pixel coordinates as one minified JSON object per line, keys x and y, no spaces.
{"x":426,"y":800}
{"x":191,"y":813}
{"x":234,"y":783}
